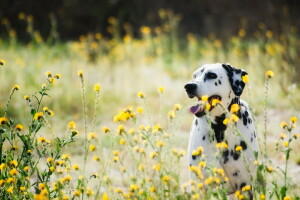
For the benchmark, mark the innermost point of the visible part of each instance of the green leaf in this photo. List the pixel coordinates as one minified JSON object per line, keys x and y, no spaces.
{"x":283,"y":191}
{"x":2,"y":130}
{"x":33,"y":111}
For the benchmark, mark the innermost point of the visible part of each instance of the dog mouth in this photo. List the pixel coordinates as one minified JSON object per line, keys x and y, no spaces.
{"x":199,"y":109}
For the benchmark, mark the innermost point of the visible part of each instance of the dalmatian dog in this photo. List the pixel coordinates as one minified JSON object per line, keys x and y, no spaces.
{"x":222,"y":82}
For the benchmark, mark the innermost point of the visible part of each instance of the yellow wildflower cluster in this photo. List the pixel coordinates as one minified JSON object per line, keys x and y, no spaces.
{"x":125,"y":115}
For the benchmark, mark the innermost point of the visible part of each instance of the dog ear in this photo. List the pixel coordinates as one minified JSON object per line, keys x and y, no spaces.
{"x":235,"y":78}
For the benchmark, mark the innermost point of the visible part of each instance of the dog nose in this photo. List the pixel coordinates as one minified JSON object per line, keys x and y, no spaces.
{"x":190,"y":87}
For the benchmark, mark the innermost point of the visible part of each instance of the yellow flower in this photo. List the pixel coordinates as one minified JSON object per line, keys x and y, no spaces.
{"x":2,"y":182}
{"x":234,"y":118}
{"x":57,"y":76}
{"x":221,"y":145}
{"x":92,"y":135}
{"x":153,"y":154}
{"x":19,"y":127}
{"x":177,"y":107}
{"x":215,"y":102}
{"x":285,"y":144}
{"x":11,"y":180}
{"x":38,"y":116}
{"x":96,"y":158}
{"x":80,"y":73}
{"x":226,"y":121}
{"x":238,"y":148}
{"x":171,"y":114}
{"x":76,"y":193}
{"x":26,"y":97}
{"x":97,"y":87}
{"x":13,"y":163}
{"x":160,"y":144}
{"x":141,"y":95}
{"x":269,"y":74}
{"x":287,"y":198}
{"x":118,"y":190}
{"x":245,"y":78}
{"x":146,"y":30}
{"x":13,"y":172}
{"x":282,"y":136}
{"x":65,"y":197}
{"x":246,"y":188}
{"x":202,"y":163}
{"x":296,"y":135}
{"x":283,"y":124}
{"x":242,"y":32}
{"x":105,"y":129}
{"x":255,"y":162}
{"x":120,"y":129}
{"x":262,"y":197}
{"x":2,"y":62}
{"x":48,"y":74}
{"x":234,"y":108}
{"x":89,"y":192}
{"x":204,"y":98}
{"x":92,"y":147}
{"x":152,"y":189}
{"x":293,"y":119}
{"x":269,"y":34}
{"x":75,"y":167}
{"x":26,"y":168}
{"x":133,"y":187}
{"x":2,"y":166}
{"x":16,"y":87}
{"x":3,"y":120}
{"x":71,"y":125}
{"x":270,"y":169}
{"x":122,"y":142}
{"x":160,"y":89}
{"x":10,"y":189}
{"x":140,"y":109}
{"x":156,"y":167}
{"x":22,"y":188}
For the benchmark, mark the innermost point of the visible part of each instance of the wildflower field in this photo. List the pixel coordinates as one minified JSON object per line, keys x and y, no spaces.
{"x":108,"y":117}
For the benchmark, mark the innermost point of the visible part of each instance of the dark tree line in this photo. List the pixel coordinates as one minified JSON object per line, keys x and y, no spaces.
{"x":223,"y":17}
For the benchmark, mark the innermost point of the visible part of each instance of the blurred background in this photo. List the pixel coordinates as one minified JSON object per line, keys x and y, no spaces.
{"x":132,"y":46}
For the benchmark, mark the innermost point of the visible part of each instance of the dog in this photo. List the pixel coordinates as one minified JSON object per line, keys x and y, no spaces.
{"x":225,"y":83}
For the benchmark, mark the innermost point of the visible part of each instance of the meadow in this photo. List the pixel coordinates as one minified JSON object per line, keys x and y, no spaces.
{"x":108,"y":117}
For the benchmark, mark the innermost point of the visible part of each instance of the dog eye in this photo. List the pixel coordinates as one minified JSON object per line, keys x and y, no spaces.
{"x":211,"y":75}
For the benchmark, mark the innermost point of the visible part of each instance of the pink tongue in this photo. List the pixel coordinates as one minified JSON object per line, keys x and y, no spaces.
{"x":195,"y":109}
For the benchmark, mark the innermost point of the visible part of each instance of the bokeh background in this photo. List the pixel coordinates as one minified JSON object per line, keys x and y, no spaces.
{"x":132,"y":46}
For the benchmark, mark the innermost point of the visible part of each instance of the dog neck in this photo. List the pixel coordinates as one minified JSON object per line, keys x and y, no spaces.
{"x":218,"y":112}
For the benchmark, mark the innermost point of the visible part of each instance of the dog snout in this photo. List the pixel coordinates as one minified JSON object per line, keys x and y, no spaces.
{"x":190,"y":88}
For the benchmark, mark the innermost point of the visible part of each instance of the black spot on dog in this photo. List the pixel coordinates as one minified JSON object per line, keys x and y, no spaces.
{"x":229,"y":95}
{"x":216,"y":84}
{"x":220,"y":82}
{"x":243,"y":144}
{"x":203,"y":138}
{"x":202,"y":70}
{"x":194,"y":157}
{"x":245,"y":118}
{"x":190,"y":164}
{"x":249,"y":121}
{"x":237,"y":85}
{"x":235,"y":155}
{"x":196,"y":122}
{"x":254,"y":134}
{"x":251,"y":139}
{"x":242,"y":185}
{"x":235,"y":173}
{"x":225,"y":156}
{"x":219,"y":128}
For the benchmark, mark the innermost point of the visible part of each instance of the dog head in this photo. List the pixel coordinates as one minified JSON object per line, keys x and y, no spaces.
{"x":217,"y":81}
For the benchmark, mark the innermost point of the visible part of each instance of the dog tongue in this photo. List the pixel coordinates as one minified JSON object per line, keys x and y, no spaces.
{"x":195,"y":109}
